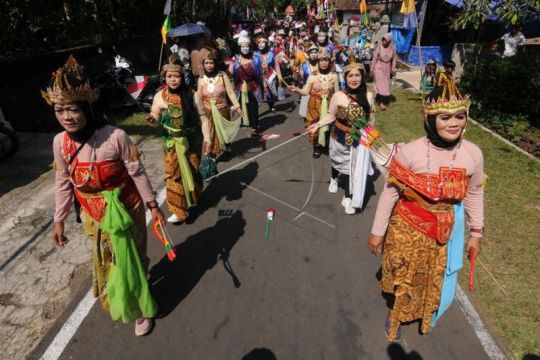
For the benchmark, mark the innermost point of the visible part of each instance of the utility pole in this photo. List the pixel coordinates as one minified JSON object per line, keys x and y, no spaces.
{"x":423,"y":9}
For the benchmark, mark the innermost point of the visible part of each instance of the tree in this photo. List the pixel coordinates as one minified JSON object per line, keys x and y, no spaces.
{"x":476,"y":12}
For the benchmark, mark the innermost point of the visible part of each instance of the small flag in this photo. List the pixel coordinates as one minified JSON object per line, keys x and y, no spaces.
{"x":165,"y":29}
{"x":363,"y":11}
{"x":408,"y":8}
{"x":167,"y":8}
{"x":270,"y":213}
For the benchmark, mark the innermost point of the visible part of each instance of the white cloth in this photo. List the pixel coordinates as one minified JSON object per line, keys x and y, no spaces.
{"x":355,"y":162}
{"x":303,"y":105}
{"x":511,"y":43}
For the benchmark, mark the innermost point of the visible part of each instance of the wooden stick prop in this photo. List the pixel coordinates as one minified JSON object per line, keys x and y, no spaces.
{"x":163,"y":236}
{"x":472,"y":258}
{"x":283,"y":81}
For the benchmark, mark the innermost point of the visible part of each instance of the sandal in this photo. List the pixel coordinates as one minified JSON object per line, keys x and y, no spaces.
{"x":143,"y":326}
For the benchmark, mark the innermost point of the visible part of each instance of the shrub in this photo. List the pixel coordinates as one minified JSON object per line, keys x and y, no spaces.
{"x":505,"y":86}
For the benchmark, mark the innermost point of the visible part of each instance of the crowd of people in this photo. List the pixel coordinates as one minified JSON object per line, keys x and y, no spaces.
{"x":419,"y":223}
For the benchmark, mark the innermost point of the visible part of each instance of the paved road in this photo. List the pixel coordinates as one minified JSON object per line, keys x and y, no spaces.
{"x":308,"y":292}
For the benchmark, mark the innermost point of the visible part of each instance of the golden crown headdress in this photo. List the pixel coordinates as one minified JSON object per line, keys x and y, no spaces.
{"x":353,"y":65}
{"x":173,"y":65}
{"x":69,"y":84}
{"x":449,"y":102}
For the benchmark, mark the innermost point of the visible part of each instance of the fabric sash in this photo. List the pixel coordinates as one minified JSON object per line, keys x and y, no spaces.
{"x":226,"y":130}
{"x":181,"y":146}
{"x":324,"y":112}
{"x":244,"y":101}
{"x":127,"y":287}
{"x":454,"y":262}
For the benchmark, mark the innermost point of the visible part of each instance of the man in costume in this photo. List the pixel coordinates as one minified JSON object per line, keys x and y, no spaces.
{"x":175,"y":110}
{"x":270,"y":70}
{"x":419,"y":224}
{"x":307,"y":68}
{"x":320,"y":87}
{"x":248,"y":83}
{"x":100,"y":166}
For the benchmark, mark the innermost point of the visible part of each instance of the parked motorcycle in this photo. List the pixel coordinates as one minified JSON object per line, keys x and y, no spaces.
{"x":121,"y":88}
{"x":9,"y":141}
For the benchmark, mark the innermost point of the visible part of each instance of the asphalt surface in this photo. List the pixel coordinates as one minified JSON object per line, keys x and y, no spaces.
{"x":309,"y":291}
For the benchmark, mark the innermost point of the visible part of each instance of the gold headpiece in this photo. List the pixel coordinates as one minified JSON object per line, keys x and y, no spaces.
{"x":450,"y":101}
{"x":209,"y":56}
{"x":312,"y":47}
{"x":173,"y":65}
{"x":353,"y":65}
{"x":70,"y":84}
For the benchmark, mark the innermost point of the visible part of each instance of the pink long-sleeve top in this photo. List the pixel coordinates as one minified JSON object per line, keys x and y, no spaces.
{"x":414,"y":156}
{"x":111,"y":144}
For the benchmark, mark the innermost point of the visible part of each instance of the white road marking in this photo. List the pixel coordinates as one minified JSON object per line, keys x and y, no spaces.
{"x":62,"y":339}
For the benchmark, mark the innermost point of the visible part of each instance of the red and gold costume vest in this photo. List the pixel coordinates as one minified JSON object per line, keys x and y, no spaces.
{"x":90,"y":178}
{"x":425,"y":200}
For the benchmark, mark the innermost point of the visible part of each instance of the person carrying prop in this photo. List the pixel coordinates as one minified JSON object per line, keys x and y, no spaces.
{"x":342,"y":58}
{"x":429,"y":78}
{"x":419,"y":223}
{"x":270,"y":71}
{"x":214,"y":90}
{"x":248,"y":83}
{"x":99,"y":165}
{"x":175,"y":110}
{"x":307,"y":68}
{"x":351,"y":110}
{"x":320,"y":87}
{"x":324,"y":42}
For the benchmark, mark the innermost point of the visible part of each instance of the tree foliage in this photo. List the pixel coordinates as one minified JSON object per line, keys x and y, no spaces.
{"x":476,"y":12}
{"x":30,"y":26}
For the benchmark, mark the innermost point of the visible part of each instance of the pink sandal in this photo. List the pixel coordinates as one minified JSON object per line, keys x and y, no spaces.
{"x":143,"y":326}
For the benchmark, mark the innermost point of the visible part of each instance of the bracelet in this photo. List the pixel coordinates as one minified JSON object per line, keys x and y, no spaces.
{"x":479,"y":231}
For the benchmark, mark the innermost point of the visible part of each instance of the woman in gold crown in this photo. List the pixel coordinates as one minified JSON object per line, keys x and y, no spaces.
{"x":175,"y":109}
{"x":214,"y":90}
{"x":100,"y":166}
{"x":320,"y":87}
{"x":350,"y":110}
{"x":419,"y":223}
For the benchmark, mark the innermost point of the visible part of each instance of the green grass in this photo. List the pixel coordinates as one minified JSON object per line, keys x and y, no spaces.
{"x":135,"y":125}
{"x":510,"y":248}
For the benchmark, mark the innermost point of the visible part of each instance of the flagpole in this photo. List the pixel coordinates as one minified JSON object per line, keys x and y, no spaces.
{"x":161,"y":56}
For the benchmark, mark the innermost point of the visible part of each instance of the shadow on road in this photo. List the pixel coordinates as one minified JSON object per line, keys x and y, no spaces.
{"x":260,"y":354}
{"x":225,"y":186}
{"x":396,"y":352}
{"x":171,"y":282}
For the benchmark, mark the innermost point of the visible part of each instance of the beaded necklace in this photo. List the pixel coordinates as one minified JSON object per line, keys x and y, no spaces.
{"x":174,"y":102}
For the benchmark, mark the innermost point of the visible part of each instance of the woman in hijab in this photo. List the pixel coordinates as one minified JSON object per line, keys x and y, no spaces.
{"x":383,"y":68}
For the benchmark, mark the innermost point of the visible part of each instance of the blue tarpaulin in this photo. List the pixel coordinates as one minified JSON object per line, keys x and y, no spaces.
{"x":402,"y":38}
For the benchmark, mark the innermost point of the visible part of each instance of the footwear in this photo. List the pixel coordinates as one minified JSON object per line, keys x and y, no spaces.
{"x":316,"y":153}
{"x":382,"y":106}
{"x":387,"y":329}
{"x":272,"y":109}
{"x":347,"y":204}
{"x":255,"y":135}
{"x":332,"y":188}
{"x":173,"y":219}
{"x":143,"y":326}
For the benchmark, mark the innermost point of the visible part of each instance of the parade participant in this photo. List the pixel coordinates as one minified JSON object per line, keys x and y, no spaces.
{"x":383,"y":68}
{"x":324,"y":42}
{"x":214,"y":90}
{"x":248,"y":83}
{"x":307,"y":68}
{"x":100,"y":166}
{"x":419,"y":222}
{"x":270,"y":71}
{"x":342,"y":58}
{"x":429,"y":78}
{"x":320,"y":87}
{"x":367,"y":55}
{"x":174,"y":109}
{"x":347,"y":109}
